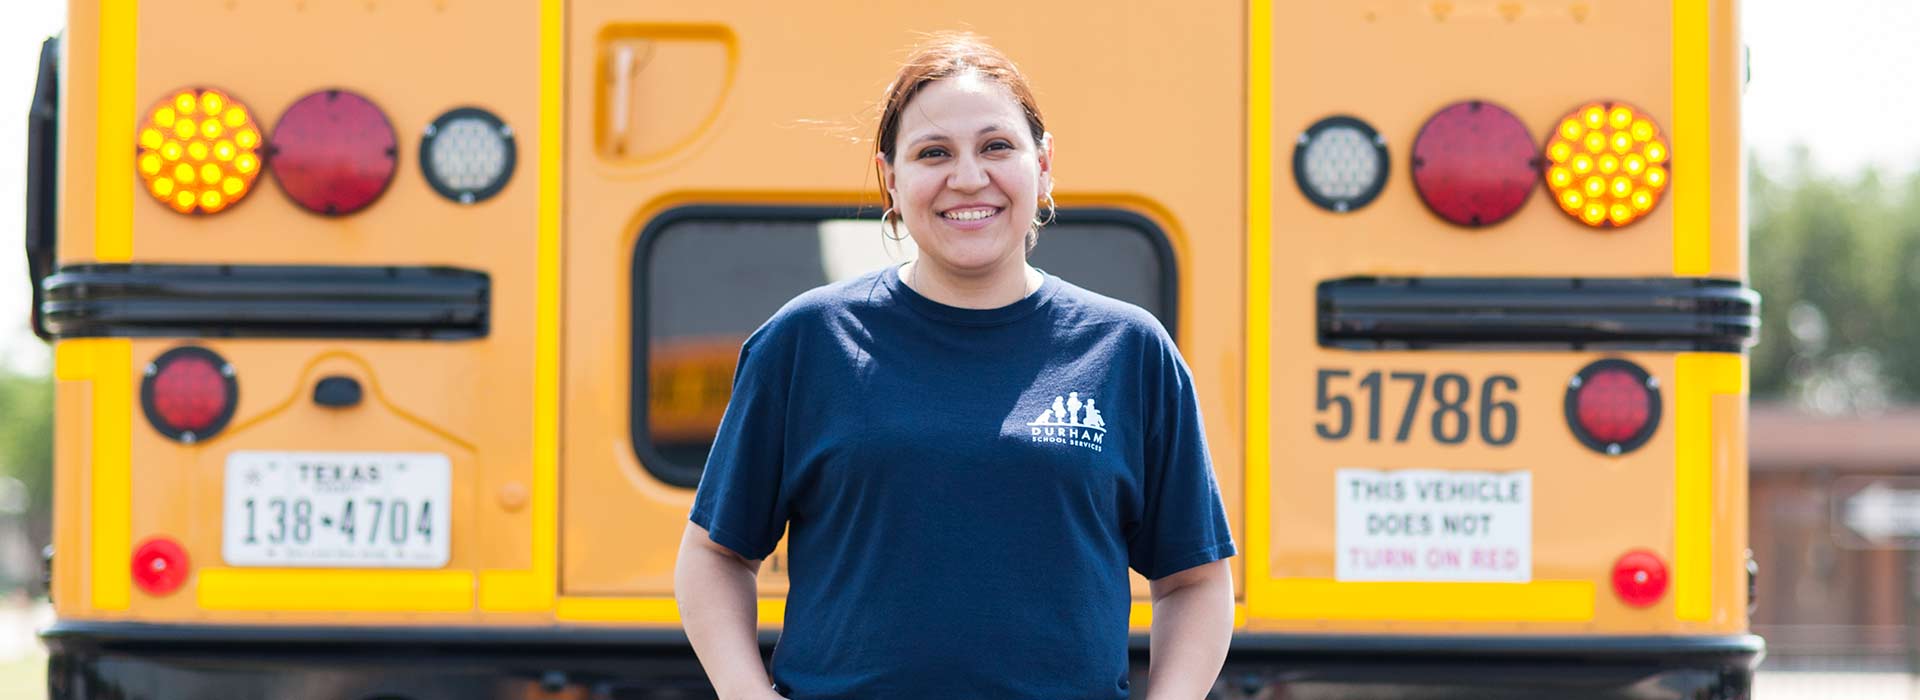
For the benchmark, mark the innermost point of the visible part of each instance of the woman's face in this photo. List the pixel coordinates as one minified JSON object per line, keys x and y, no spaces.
{"x":966,"y":175}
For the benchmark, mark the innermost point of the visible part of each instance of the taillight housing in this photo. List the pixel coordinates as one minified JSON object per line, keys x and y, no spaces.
{"x":1340,"y":163}
{"x":198,"y":151}
{"x":1613,"y":406}
{"x":189,"y":393}
{"x":1474,"y":163}
{"x":1639,"y":578}
{"x":160,"y":566}
{"x":1606,"y":164}
{"x":467,"y":155}
{"x":334,"y":152}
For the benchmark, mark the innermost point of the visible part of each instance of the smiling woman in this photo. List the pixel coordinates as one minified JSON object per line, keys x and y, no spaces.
{"x":965,"y":161}
{"x":937,"y":422}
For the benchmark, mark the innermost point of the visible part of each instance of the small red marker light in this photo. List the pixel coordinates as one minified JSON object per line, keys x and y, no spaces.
{"x":1639,"y":578}
{"x":1613,"y":406}
{"x":160,"y":566}
{"x":189,"y":393}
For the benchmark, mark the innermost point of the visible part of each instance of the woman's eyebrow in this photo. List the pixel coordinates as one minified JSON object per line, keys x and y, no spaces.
{"x":938,"y":136}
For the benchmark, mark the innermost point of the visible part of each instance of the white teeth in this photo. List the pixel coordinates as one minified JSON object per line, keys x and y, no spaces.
{"x":970,"y":215}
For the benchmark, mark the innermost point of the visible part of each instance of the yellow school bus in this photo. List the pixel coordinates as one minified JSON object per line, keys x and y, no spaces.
{"x":390,"y":337}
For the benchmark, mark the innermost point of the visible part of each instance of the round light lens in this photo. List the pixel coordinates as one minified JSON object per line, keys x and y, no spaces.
{"x":1639,"y":578}
{"x":467,"y":155}
{"x":1613,"y":406}
{"x":1474,"y":163}
{"x":189,"y":393}
{"x":334,"y":152}
{"x":1627,"y":134}
{"x":1340,"y":163}
{"x":175,"y":150}
{"x":160,"y":566}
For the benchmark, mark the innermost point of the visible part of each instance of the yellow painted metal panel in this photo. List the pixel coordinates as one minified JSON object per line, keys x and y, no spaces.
{"x":772,"y":611}
{"x":1539,"y":601}
{"x":113,"y":169}
{"x":534,"y":590}
{"x":1698,"y":377}
{"x":1259,"y":302}
{"x":1692,"y":142}
{"x":110,"y":500}
{"x":335,"y":590}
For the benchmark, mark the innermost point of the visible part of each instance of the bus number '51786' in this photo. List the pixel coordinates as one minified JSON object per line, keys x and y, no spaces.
{"x":1456,"y":410}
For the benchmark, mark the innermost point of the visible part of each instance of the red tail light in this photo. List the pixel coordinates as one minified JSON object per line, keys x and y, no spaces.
{"x":1613,"y":406}
{"x":189,"y":393}
{"x":333,"y":152}
{"x":1639,"y":578}
{"x":160,"y":566}
{"x":1474,"y":163}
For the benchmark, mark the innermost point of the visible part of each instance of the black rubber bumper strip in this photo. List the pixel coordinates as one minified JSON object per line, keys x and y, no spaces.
{"x":266,"y":301}
{"x":1454,"y":313}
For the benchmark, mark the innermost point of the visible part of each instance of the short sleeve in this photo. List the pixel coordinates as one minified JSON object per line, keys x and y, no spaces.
{"x":1183,"y":524}
{"x":741,"y":500}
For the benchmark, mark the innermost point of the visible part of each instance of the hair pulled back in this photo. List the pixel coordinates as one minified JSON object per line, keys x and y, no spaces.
{"x":941,"y":56}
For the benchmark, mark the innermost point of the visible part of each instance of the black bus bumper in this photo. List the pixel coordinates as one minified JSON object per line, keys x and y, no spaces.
{"x":165,"y":662}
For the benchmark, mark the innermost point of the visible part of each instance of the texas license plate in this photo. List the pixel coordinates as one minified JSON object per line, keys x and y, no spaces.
{"x":337,"y":509}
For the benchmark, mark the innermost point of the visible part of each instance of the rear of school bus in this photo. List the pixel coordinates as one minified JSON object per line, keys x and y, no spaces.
{"x":1496,"y":333}
{"x":408,"y":396}
{"x":304,"y":298}
{"x":391,"y":336}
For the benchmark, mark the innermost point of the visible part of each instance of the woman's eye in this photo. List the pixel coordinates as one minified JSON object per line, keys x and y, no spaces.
{"x":934,"y":152}
{"x":1000,"y":145}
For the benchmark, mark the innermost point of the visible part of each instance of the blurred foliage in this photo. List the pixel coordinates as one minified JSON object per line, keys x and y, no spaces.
{"x":26,"y":434}
{"x":1836,"y":260}
{"x":26,"y":458}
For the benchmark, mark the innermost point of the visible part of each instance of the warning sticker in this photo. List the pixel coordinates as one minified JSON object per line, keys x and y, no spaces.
{"x":1434,"y":525}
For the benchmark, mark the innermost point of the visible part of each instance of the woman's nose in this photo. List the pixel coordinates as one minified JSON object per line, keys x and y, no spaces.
{"x":969,"y":174}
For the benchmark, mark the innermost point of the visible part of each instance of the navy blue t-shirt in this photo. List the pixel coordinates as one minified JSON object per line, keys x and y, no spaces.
{"x":964,"y":489}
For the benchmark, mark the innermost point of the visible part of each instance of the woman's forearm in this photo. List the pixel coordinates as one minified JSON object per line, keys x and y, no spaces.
{"x":718,"y":608}
{"x":1192,"y":627}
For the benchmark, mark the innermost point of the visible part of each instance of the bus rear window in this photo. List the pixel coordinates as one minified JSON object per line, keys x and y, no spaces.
{"x":705,"y":277}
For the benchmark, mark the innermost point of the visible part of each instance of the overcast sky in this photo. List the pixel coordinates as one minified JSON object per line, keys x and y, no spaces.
{"x":1835,"y":76}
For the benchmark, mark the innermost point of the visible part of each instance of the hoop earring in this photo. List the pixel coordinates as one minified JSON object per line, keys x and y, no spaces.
{"x":889,"y":228}
{"x":1050,"y":212}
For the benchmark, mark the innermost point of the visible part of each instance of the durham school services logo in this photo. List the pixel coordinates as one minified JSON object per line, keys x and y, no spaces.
{"x":1070,"y":422}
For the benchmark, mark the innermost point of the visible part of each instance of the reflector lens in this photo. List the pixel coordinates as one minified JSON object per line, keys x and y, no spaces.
{"x":1639,"y":578}
{"x":1619,"y":137}
{"x":171,"y":134}
{"x":1474,"y":164}
{"x":333,"y":152}
{"x":160,"y":566}
{"x":1340,"y":163}
{"x":189,"y":392}
{"x":467,"y":155}
{"x":1613,"y":406}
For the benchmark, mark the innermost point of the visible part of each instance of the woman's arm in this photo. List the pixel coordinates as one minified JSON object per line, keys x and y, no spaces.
{"x":714,"y":587}
{"x":1192,"y":626}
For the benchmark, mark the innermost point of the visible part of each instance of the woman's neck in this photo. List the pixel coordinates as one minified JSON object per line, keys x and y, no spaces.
{"x":987,"y":291}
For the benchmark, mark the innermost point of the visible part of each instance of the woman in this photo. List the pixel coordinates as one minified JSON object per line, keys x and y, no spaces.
{"x":945,"y":543}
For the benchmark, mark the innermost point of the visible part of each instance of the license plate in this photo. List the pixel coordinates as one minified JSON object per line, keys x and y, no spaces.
{"x":337,"y":509}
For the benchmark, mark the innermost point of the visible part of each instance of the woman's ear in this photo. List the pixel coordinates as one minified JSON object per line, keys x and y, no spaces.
{"x":1046,"y":162}
{"x":880,"y":165}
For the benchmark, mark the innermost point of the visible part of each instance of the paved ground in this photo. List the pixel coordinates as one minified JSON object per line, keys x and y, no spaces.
{"x":1827,"y":685}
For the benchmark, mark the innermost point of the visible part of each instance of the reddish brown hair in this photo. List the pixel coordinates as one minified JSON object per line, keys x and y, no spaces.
{"x":946,"y":55}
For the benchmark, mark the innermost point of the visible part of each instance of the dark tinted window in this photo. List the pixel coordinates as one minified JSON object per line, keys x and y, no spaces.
{"x":706,"y":277}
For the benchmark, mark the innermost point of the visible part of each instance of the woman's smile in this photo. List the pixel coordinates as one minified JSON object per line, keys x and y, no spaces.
{"x":971,"y":218}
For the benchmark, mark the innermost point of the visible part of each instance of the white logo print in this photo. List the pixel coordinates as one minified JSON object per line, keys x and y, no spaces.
{"x":1070,"y":422}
